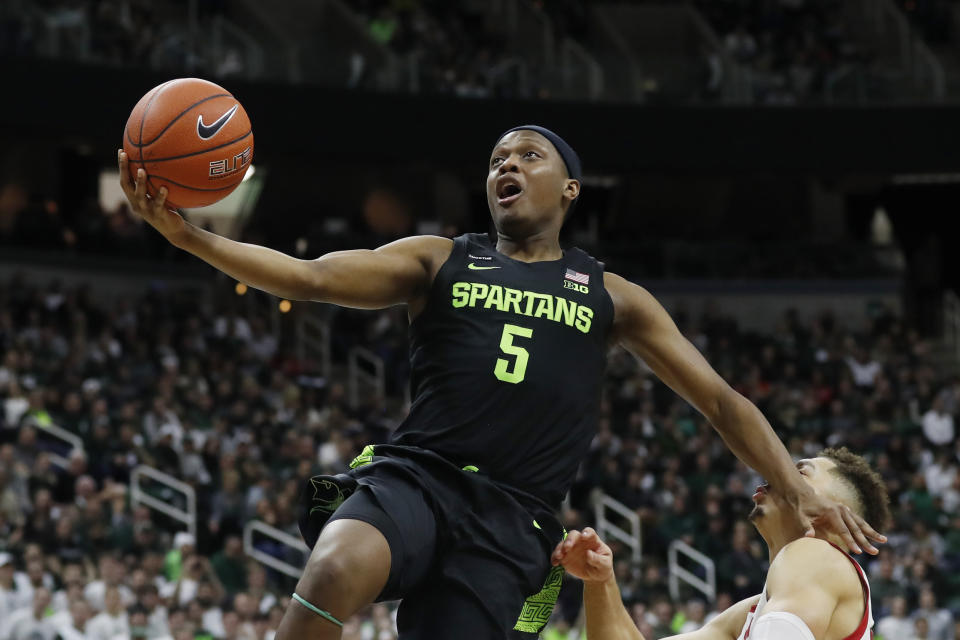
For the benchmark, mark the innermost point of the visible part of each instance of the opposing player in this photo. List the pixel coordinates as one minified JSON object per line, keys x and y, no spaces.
{"x":508,"y":345}
{"x":814,"y":590}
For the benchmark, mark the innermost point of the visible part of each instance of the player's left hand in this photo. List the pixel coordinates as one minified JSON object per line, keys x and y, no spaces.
{"x":585,"y":555}
{"x":821,"y":516}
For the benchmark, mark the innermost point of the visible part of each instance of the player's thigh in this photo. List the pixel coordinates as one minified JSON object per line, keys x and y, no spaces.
{"x":481,"y":593}
{"x":399,"y":511}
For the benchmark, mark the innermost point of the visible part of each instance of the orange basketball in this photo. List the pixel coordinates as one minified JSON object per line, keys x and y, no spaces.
{"x":192,"y":137}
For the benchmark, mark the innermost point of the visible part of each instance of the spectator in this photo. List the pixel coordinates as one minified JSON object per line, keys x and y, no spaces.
{"x":139,"y":625}
{"x":938,"y":424}
{"x":229,"y":565}
{"x":896,"y":624}
{"x":11,"y":599}
{"x":30,"y":622}
{"x":863,"y":368}
{"x":921,"y":630}
{"x":694,"y":616}
{"x":148,"y":597}
{"x":740,"y":44}
{"x":112,"y":621}
{"x":884,"y":586}
{"x":75,"y":627}
{"x":111,"y":577}
{"x":937,"y":622}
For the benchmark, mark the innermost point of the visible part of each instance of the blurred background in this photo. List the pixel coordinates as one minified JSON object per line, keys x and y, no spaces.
{"x":781,"y":174}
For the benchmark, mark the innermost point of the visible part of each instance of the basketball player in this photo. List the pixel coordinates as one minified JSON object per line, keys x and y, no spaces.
{"x":508,"y":342}
{"x":814,"y":590}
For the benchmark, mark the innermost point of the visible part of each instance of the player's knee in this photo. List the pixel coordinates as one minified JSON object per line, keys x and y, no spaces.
{"x":327,"y":575}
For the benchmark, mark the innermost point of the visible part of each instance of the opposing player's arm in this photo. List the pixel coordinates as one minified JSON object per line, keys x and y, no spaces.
{"x":644,"y":328}
{"x":586,"y":556}
{"x":397,"y":273}
{"x":809,"y":578}
{"x":607,"y":618}
{"x":726,"y":626}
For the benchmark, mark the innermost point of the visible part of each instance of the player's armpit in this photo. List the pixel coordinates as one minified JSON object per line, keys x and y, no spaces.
{"x":809,"y":578}
{"x":396,"y":273}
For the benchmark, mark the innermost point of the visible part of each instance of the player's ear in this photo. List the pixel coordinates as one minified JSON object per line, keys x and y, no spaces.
{"x":571,"y":189}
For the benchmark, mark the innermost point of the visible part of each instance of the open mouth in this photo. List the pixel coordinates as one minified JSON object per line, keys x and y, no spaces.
{"x":761,"y":492}
{"x":508,"y":193}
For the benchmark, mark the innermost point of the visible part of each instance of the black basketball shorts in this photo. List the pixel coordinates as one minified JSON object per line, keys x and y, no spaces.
{"x":469,"y":557}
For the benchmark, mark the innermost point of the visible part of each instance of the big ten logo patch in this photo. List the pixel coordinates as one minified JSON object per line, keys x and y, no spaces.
{"x":576,"y":286}
{"x":220,"y":169}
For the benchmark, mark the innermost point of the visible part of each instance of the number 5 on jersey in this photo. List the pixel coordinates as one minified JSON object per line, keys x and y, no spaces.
{"x":502,"y":370}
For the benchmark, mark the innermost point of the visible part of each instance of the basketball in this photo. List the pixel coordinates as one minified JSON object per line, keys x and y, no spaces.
{"x":192,"y":137}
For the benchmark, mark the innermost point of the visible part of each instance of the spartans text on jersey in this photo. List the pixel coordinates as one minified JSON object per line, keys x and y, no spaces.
{"x":524,"y":303}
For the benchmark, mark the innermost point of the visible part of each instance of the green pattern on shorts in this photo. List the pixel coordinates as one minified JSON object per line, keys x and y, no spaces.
{"x":537,"y":609}
{"x":365,"y":457}
{"x":327,"y":488}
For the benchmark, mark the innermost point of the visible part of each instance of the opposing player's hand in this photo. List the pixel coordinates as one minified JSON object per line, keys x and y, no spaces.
{"x":821,"y":516}
{"x":585,"y":556}
{"x":154,"y":210}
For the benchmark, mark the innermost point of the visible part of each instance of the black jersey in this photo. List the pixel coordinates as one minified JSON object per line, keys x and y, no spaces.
{"x":507,"y":361}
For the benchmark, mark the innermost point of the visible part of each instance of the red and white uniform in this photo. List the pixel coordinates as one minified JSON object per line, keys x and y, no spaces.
{"x":864,"y":630}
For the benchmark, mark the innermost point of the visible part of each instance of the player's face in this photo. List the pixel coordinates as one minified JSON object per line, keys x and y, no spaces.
{"x":527,"y":184}
{"x":816,"y":472}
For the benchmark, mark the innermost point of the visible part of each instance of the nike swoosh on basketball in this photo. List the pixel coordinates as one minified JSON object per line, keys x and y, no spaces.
{"x":476,"y":268}
{"x":207,"y":131}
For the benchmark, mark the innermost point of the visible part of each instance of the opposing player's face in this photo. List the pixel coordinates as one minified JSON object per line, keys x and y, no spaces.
{"x":816,"y":472}
{"x":527,"y":184}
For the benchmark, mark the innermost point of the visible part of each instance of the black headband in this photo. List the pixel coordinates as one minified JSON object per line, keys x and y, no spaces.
{"x":570,"y":157}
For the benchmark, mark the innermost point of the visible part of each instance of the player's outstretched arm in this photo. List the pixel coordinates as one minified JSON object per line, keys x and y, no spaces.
{"x":396,"y":273}
{"x":586,"y":556}
{"x":644,"y":328}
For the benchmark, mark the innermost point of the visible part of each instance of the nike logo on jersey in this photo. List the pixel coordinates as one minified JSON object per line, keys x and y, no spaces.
{"x":478,"y":268}
{"x":206,"y":131}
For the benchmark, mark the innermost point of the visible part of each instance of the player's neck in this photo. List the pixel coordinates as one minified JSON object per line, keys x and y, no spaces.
{"x":780,"y":536}
{"x":535,"y":248}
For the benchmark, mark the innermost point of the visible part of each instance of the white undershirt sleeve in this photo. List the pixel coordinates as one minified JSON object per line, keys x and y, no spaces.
{"x":780,"y":625}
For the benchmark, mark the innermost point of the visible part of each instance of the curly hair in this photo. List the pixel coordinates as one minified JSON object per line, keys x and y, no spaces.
{"x":869,"y":487}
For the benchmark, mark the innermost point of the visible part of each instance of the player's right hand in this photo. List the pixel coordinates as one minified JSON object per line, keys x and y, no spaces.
{"x":585,"y":555}
{"x":154,"y":210}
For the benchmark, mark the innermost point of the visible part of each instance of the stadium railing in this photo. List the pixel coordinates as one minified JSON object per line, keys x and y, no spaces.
{"x":139,"y":495}
{"x":530,"y":26}
{"x":284,"y":539}
{"x":608,"y":529}
{"x":622,"y":67}
{"x":581,"y":73}
{"x":706,"y":585}
{"x":365,"y":368}
{"x":73,"y":441}
{"x":314,"y":341}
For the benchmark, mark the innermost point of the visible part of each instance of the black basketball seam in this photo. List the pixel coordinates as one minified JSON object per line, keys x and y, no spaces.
{"x":171,"y":123}
{"x":196,"y":153}
{"x":230,"y":186}
{"x":143,"y":119}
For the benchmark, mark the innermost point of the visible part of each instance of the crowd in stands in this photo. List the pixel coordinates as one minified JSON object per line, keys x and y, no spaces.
{"x":793,"y":48}
{"x":456,"y":52}
{"x":131,"y":33}
{"x":199,"y":388}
